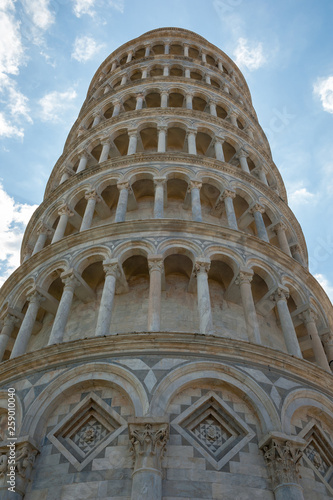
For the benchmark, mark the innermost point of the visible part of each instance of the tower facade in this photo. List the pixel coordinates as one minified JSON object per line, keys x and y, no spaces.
{"x":163,"y":337}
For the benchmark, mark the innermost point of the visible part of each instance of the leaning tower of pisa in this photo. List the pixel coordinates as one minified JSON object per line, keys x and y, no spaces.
{"x":163,"y":338}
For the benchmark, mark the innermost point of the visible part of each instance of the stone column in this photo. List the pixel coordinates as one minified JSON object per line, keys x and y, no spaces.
{"x":207,"y":79}
{"x":111,"y":269}
{"x":226,"y":89}
{"x":123,"y":80}
{"x":212,"y":108}
{"x":228,"y":196}
{"x":83,"y":162}
{"x":218,"y":146}
{"x":139,"y":101}
{"x":249,"y":130}
{"x":282,"y":457}
{"x":257,"y":211}
{"x":64,"y":213}
{"x":161,"y":146}
{"x":280,"y":229}
{"x":233,"y":119}
{"x":8,"y":326}
{"x":186,"y":50}
{"x":155,"y":264}
{"x":252,"y":326}
{"x":122,"y":201}
{"x":92,"y":198}
{"x":189,"y":98}
{"x":242,"y":155}
{"x":60,"y":321}
{"x":159,"y":197}
{"x":147,"y":51}
{"x":280,"y":298}
{"x":25,"y":331}
{"x":309,"y":318}
{"x":129,"y":56}
{"x":148,"y":437}
{"x":262,"y":175}
{"x":295,"y":250}
{"x":105,"y":151}
{"x":67,"y":172}
{"x":133,"y":139}
{"x":220,"y":66}
{"x":166,"y":70}
{"x":144,"y":73}
{"x":187,"y":73}
{"x":164,"y":99}
{"x":328,"y":346}
{"x":97,"y":118}
{"x":195,"y":187}
{"x":114,"y":65}
{"x":27,"y":254}
{"x":43,"y":231}
{"x":203,"y":57}
{"x":166,"y":48}
{"x":116,"y":108}
{"x":192,"y":148}
{"x":204,"y":307}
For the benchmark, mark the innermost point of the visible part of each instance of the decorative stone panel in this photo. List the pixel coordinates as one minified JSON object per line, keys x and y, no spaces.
{"x":87,"y":430}
{"x":214,"y":429}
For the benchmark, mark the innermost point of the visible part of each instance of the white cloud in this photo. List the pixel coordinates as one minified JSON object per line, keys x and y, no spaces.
{"x":301,"y":196}
{"x":14,"y":218}
{"x":55,"y":103}
{"x":327,"y":286}
{"x":7,"y":129}
{"x":250,"y":57}
{"x":85,"y":47}
{"x":39,"y":12}
{"x":118,"y":5}
{"x":323,"y":88}
{"x":84,"y":7}
{"x":11,"y":48}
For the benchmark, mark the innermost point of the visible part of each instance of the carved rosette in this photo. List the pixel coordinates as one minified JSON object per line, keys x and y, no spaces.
{"x":282,"y":458}
{"x":148,"y":444}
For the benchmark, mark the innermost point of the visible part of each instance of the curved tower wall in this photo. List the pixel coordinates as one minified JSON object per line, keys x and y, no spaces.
{"x":163,"y":334}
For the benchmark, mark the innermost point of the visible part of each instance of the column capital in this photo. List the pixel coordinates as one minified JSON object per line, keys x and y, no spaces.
{"x":105,"y":141}
{"x":132,"y":132}
{"x":155,"y":262}
{"x":97,"y":112}
{"x":83,"y":154}
{"x":70,"y":280}
{"x":219,"y":138}
{"x":295,"y":248}
{"x":280,"y":226}
{"x":123,"y":185}
{"x":65,"y":210}
{"x":148,"y":437}
{"x":282,"y":455}
{"x":327,"y":338}
{"x":242,"y":153}
{"x":195,"y":185}
{"x":191,"y":130}
{"x":26,"y":453}
{"x":159,"y":180}
{"x":43,"y":228}
{"x":257,"y":208}
{"x":92,"y":195}
{"x":281,"y":293}
{"x":245,"y":276}
{"x":228,"y":193}
{"x":201,"y":266}
{"x":164,"y":92}
{"x":67,"y":169}
{"x":34,"y":297}
{"x":140,"y":95}
{"x":111,"y":267}
{"x":10,"y":320}
{"x":308,"y":316}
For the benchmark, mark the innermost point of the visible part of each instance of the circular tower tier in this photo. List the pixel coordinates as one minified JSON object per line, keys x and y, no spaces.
{"x":163,"y":338}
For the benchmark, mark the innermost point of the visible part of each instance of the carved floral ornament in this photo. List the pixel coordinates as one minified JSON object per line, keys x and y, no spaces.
{"x":283,"y":460}
{"x":148,"y":443}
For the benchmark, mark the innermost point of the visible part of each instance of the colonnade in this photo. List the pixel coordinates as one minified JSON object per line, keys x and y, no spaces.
{"x":254,"y":212}
{"x":113,"y":272}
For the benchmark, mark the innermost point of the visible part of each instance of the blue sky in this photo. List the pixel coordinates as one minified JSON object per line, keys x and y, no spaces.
{"x":50,"y":50}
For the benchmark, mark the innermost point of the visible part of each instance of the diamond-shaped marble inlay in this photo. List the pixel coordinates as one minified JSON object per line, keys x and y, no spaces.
{"x":211,"y":433}
{"x":87,"y":430}
{"x":214,"y":429}
{"x":318,"y":453}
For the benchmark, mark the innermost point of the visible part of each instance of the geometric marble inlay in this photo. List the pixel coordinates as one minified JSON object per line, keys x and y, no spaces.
{"x":214,"y":428}
{"x":87,"y":430}
{"x":318,"y":453}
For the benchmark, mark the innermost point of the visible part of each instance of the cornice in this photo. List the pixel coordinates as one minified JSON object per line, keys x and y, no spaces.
{"x":209,"y":348}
